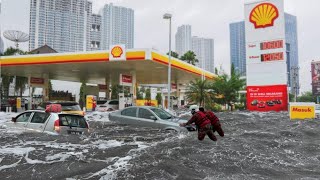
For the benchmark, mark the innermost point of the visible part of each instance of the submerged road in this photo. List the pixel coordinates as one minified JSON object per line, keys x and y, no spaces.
{"x":255,"y":146}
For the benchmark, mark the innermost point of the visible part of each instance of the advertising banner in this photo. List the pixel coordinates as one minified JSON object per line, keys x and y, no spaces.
{"x":267,"y":98}
{"x":38,"y":81}
{"x":265,"y":43}
{"x":315,"y":72}
{"x":117,"y":53}
{"x":302,"y":111}
{"x":125,"y":80}
{"x":147,"y":103}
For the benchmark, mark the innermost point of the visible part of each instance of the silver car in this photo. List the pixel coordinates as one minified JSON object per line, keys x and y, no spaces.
{"x":149,"y":117}
{"x":58,"y":123}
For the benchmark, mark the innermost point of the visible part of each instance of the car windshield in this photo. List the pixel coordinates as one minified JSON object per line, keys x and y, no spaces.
{"x":161,"y":113}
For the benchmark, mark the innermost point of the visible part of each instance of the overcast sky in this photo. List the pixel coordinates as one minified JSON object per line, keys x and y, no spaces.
{"x":208,"y":18}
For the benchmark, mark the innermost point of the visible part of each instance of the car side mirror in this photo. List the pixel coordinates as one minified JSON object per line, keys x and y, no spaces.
{"x":14,"y":119}
{"x":153,"y":118}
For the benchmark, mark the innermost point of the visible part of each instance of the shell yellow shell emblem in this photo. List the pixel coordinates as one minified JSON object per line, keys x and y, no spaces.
{"x":116,"y":52}
{"x":264,"y":15}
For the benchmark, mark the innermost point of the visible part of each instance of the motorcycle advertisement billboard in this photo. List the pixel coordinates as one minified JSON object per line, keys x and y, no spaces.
{"x":315,"y":73}
{"x":267,"y":98}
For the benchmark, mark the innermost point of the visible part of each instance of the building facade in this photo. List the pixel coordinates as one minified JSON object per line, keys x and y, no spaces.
{"x":183,"y":39}
{"x":238,"y":50}
{"x":64,"y":25}
{"x":238,"y":47}
{"x":1,"y":41}
{"x":117,"y":26}
{"x":95,"y":32}
{"x":204,"y":50}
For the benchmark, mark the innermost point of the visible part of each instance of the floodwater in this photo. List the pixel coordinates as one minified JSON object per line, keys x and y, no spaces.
{"x":255,"y":146}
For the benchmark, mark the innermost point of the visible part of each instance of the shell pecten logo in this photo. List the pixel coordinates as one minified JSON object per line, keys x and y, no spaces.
{"x":116,"y":51}
{"x":264,"y":15}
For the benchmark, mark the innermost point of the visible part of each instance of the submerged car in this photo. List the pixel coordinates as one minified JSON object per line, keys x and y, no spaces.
{"x":149,"y":117}
{"x":110,"y":105}
{"x":58,"y":123}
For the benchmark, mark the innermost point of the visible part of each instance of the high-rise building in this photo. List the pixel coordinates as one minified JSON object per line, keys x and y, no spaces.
{"x":183,"y":39}
{"x":204,"y":50}
{"x":64,"y":25}
{"x":292,"y":52}
{"x":238,"y":47}
{"x":117,"y":26}
{"x":1,"y":41}
{"x":238,"y":50}
{"x":95,"y":32}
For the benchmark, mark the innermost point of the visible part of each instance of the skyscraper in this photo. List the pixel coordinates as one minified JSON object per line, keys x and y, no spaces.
{"x":1,"y":41}
{"x":117,"y":26}
{"x":183,"y":39}
{"x":64,"y":25}
{"x":95,"y":32}
{"x":204,"y":50}
{"x":238,"y":47}
{"x":292,"y":52}
{"x":238,"y":50}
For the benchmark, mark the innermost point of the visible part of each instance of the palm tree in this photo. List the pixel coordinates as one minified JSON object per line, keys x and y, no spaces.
{"x":226,"y":88}
{"x":174,"y":54}
{"x":198,"y":91}
{"x":190,"y":57}
{"x":20,"y":85}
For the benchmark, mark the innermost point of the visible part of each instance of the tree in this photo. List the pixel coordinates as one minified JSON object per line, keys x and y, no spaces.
{"x":148,"y":94}
{"x":20,"y":85}
{"x":190,"y":57}
{"x":82,"y":94}
{"x":6,"y":80}
{"x":198,"y":92}
{"x":13,"y":51}
{"x":159,"y":98}
{"x":226,"y":88}
{"x":306,"y":97}
{"x":115,"y":90}
{"x":291,"y":97}
{"x":216,"y":71}
{"x":174,"y":54}
{"x":139,"y":93}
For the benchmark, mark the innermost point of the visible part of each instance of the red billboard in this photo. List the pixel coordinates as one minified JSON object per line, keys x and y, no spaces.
{"x":315,"y":73}
{"x":267,"y":98}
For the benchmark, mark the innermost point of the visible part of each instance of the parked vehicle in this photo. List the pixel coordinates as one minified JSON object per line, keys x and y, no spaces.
{"x":254,"y":102}
{"x":70,"y":107}
{"x":149,"y":117}
{"x":110,"y":105}
{"x":58,"y":123}
{"x":270,"y":103}
{"x":317,"y":111}
{"x":261,"y":104}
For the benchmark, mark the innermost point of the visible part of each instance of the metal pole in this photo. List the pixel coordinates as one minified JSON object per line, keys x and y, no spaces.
{"x":169,"y":68}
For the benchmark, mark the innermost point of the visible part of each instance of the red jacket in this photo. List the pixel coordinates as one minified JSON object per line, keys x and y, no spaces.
{"x":200,"y":119}
{"x":212,"y":117}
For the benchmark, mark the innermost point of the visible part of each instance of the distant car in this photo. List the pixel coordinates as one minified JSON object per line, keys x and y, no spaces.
{"x":277,"y":101}
{"x":110,"y":105}
{"x":70,"y":107}
{"x":270,"y":103}
{"x":261,"y":104}
{"x":254,"y":102}
{"x":317,"y":111}
{"x":149,"y":117}
{"x":59,"y":123}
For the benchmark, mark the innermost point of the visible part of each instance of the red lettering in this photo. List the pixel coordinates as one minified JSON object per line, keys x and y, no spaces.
{"x":272,"y":57}
{"x":271,"y":45}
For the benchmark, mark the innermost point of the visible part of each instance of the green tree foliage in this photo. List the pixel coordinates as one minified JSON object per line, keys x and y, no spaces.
{"x":226,"y":88}
{"x":115,"y":90}
{"x":291,"y":97}
{"x":159,"y":98}
{"x":174,"y":54}
{"x":198,"y":91}
{"x":306,"y":97}
{"x":13,"y":51}
{"x":190,"y":57}
{"x":139,"y":93}
{"x":148,"y":94}
{"x":82,"y":94}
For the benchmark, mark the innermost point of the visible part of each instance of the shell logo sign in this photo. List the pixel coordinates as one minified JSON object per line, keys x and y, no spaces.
{"x":264,"y":15}
{"x":117,"y":51}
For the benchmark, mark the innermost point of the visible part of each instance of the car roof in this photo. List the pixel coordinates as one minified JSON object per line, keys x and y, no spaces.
{"x":52,"y":112}
{"x":62,"y":102}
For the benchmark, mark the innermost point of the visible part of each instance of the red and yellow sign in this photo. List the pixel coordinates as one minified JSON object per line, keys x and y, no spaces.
{"x":117,"y":51}
{"x":264,"y":15}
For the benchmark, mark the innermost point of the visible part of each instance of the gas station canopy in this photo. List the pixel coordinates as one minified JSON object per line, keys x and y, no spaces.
{"x":95,"y":67}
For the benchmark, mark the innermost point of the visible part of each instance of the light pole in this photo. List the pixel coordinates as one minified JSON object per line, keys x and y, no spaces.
{"x":169,"y":16}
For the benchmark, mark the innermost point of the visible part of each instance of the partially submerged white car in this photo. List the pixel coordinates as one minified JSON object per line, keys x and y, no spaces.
{"x":57,"y":123}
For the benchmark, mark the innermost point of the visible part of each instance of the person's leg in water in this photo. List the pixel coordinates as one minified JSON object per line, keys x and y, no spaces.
{"x":217,"y":127}
{"x":201,"y":134}
{"x":210,"y":133}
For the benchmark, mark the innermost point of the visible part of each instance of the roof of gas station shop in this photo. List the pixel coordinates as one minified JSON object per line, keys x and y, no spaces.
{"x":151,"y":67}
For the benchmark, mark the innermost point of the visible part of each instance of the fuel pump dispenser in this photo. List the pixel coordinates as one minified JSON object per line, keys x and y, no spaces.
{"x":125,"y":101}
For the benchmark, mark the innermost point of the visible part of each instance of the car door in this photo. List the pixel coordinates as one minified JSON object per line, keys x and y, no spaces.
{"x":22,"y":120}
{"x":128,"y":116}
{"x":147,"y":118}
{"x":38,"y":121}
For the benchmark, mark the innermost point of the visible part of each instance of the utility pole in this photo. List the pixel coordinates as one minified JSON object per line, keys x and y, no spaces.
{"x":294,"y":82}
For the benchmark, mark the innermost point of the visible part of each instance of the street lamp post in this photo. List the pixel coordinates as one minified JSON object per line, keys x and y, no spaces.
{"x":169,"y":16}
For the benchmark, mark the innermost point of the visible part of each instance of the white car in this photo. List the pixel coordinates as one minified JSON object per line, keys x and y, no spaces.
{"x":317,"y":111}
{"x":110,"y":105}
{"x":57,"y":123}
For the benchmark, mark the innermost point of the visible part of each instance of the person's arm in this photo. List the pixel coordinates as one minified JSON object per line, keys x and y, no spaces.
{"x":193,"y":118}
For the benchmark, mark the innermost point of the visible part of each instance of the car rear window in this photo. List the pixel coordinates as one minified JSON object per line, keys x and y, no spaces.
{"x":72,"y":120}
{"x":70,"y":107}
